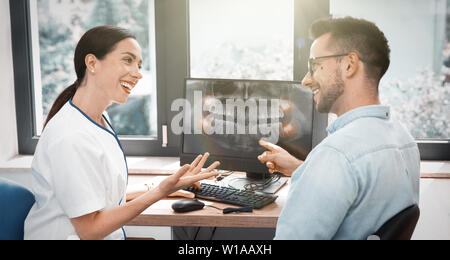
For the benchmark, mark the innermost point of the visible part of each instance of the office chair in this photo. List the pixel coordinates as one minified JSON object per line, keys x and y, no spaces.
{"x":400,"y":226}
{"x":15,"y":204}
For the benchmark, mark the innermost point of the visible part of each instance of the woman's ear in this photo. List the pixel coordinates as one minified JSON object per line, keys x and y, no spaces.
{"x":91,"y":63}
{"x":352,"y":66}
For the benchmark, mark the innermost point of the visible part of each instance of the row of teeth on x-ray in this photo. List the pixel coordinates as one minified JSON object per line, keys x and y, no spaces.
{"x":251,"y":122}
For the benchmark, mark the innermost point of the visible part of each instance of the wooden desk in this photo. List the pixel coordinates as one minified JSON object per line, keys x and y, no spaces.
{"x":161,"y":213}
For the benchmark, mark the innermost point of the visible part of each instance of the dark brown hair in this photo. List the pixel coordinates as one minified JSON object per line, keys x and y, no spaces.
{"x":358,"y":35}
{"x":98,"y":41}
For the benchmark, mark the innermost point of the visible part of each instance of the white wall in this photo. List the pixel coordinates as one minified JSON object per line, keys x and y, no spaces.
{"x":434,"y":221}
{"x":8,"y":133}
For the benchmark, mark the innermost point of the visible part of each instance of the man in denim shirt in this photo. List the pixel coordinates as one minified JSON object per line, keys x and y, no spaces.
{"x":367,"y":169}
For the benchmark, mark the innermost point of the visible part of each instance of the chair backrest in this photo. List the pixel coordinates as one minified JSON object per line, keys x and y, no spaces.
{"x":15,"y":204}
{"x":400,"y":226}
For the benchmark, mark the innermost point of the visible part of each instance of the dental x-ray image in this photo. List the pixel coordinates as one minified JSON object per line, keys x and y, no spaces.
{"x":229,"y":117}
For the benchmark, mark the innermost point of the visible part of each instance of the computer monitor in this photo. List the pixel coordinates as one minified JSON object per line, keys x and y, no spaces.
{"x":228,"y":117}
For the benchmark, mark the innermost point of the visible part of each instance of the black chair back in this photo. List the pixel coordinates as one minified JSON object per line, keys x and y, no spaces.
{"x":400,"y":226}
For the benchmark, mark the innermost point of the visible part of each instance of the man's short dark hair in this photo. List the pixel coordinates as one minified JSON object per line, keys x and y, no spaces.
{"x":358,"y":35}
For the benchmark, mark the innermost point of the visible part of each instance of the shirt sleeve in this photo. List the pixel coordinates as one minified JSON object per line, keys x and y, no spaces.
{"x":322,"y":191}
{"x":77,"y":170}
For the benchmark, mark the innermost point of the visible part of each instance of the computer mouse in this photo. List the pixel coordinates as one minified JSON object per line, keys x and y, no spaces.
{"x":186,"y":205}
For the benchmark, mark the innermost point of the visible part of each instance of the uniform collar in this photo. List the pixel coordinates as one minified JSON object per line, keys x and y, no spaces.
{"x":378,"y":111}
{"x":95,"y":123}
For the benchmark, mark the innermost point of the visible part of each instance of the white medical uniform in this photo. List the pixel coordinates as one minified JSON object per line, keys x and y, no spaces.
{"x":79,"y":167}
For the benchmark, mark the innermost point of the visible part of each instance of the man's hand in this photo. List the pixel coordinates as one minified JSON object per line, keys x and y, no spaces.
{"x":278,"y":160}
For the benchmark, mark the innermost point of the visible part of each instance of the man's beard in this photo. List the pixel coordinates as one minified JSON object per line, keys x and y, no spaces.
{"x":333,"y":92}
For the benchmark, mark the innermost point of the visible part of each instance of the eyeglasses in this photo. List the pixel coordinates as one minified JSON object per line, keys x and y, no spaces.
{"x":311,"y":61}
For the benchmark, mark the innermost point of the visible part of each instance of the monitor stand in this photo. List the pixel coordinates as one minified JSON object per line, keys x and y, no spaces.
{"x":255,"y":181}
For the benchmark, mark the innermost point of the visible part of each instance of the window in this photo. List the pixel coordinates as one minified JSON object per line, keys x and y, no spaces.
{"x":248,"y":39}
{"x":56,"y":28}
{"x":235,"y":39}
{"x":45,"y":34}
{"x":417,"y":84}
{"x":169,"y":65}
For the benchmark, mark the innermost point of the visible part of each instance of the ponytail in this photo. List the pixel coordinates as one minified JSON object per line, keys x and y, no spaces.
{"x":61,"y":100}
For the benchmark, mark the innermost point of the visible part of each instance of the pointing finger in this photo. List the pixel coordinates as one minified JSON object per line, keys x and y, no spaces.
{"x":272,"y":147}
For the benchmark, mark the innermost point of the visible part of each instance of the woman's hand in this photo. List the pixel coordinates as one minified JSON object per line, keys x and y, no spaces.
{"x":278,"y":160}
{"x":188,"y":175}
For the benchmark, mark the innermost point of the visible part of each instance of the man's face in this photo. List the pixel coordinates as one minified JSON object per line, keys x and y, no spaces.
{"x":326,"y":82}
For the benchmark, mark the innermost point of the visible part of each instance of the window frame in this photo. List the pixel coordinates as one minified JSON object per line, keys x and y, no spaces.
{"x":172,"y":67}
{"x":24,"y":81}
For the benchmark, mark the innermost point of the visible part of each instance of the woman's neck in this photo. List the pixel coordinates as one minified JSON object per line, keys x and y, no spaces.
{"x":91,"y":102}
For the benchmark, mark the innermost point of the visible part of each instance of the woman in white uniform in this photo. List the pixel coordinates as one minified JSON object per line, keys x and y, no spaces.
{"x":79,"y":168}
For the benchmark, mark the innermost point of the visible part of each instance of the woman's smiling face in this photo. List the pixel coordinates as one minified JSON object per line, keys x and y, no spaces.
{"x":119,"y":71}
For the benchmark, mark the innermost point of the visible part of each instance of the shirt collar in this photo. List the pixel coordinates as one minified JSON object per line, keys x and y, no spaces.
{"x":378,"y":111}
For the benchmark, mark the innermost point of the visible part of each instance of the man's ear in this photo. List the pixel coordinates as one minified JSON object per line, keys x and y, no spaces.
{"x":91,"y":62}
{"x":352,"y":65}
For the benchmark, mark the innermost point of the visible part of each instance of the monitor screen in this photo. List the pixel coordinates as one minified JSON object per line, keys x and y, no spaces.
{"x":227,"y":118}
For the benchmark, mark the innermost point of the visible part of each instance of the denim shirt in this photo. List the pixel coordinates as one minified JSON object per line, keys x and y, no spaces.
{"x":366,"y":171}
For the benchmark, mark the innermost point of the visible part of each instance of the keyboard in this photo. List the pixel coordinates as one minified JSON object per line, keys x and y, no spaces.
{"x":245,"y":198}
